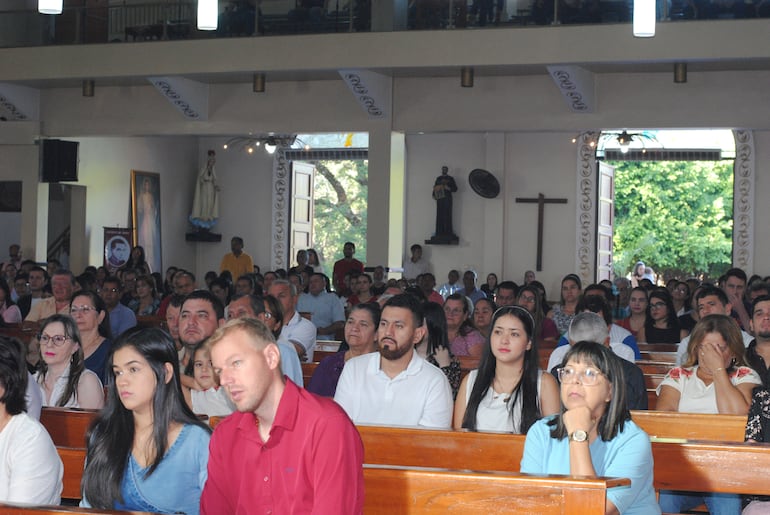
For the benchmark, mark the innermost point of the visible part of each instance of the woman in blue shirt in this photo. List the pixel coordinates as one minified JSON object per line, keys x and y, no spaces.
{"x":594,"y":435}
{"x":146,"y":451}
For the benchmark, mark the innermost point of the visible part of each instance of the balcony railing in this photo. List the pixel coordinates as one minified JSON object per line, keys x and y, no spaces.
{"x":102,"y":21}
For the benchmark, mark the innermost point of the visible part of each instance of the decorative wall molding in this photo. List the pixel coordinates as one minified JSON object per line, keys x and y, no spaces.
{"x":280,"y":211}
{"x":585,"y":226}
{"x":189,"y":97}
{"x":371,"y":90}
{"x":743,"y":201}
{"x":577,"y":86}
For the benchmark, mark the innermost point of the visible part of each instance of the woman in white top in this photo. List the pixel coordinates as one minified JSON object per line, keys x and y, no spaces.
{"x":508,"y":392}
{"x":30,"y":468}
{"x":63,"y":377}
{"x":714,"y":378}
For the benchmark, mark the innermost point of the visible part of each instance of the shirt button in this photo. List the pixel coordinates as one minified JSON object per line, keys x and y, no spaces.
{"x":266,"y":479}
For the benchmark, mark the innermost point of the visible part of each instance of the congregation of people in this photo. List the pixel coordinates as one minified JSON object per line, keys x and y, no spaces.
{"x":155,"y":352}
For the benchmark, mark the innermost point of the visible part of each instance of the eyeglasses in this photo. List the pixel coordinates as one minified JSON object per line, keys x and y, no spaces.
{"x":658,"y":305}
{"x":81,"y":309}
{"x":57,"y":340}
{"x":527,"y":299}
{"x":268,"y":315}
{"x":455,"y":311}
{"x":113,"y":290}
{"x":585,"y":377}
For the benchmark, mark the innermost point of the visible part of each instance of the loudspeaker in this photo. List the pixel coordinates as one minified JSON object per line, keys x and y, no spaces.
{"x":58,"y":160}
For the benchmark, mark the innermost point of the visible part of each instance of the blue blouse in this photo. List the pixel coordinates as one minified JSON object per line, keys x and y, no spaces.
{"x":628,"y":455}
{"x":177,"y":483}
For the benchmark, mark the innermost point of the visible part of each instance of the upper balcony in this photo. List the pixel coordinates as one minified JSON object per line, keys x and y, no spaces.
{"x":107,"y":21}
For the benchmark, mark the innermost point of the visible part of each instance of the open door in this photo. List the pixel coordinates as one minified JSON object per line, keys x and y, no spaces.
{"x":605,"y":218}
{"x":302,"y":175}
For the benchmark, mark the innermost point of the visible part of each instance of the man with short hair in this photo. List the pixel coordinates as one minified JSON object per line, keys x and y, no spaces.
{"x":52,"y":266}
{"x":452,"y":285}
{"x":201,"y":314}
{"x":327,"y":312}
{"x":469,"y":287}
{"x":710,"y":300}
{"x":244,"y":285}
{"x":427,"y":283}
{"x":734,"y":285}
{"x":38,"y":278}
{"x":121,"y":317}
{"x":14,"y":255}
{"x":506,"y":294}
{"x":296,"y":330}
{"x":378,"y":280}
{"x":758,"y":352}
{"x":284,"y":450}
{"x":621,"y":341}
{"x":415,"y":265}
{"x":129,"y":287}
{"x":251,"y":306}
{"x":184,"y":284}
{"x":237,"y":262}
{"x":62,"y":285}
{"x":591,"y":327}
{"x":343,"y":267}
{"x":173,"y":310}
{"x":395,"y":386}
{"x":757,"y":289}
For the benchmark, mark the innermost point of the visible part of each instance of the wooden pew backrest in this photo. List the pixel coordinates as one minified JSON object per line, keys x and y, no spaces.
{"x":436,"y":491}
{"x":67,"y":426}
{"x":11,"y":509}
{"x":691,"y":426}
{"x":73,"y":460}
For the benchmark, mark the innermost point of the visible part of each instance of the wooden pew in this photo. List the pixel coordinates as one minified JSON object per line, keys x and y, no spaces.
{"x":67,"y":426}
{"x":699,"y":466}
{"x":438,"y":491}
{"x":691,"y":426}
{"x":654,"y":367}
{"x":307,"y":371}
{"x":151,"y":321}
{"x":658,"y":347}
{"x":12,"y":509}
{"x":662,"y":357}
{"x":73,"y":460}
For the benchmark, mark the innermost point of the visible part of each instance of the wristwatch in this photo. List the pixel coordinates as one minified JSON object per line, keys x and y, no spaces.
{"x":578,"y":436}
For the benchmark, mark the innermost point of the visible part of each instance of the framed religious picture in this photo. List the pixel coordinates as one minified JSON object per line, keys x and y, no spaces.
{"x":145,"y":216}
{"x":117,"y":247}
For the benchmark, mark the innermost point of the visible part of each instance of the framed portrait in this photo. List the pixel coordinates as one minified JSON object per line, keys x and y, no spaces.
{"x":145,"y":216}
{"x":117,"y":247}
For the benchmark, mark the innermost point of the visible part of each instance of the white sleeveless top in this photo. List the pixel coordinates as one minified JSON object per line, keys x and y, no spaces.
{"x":492,"y":413}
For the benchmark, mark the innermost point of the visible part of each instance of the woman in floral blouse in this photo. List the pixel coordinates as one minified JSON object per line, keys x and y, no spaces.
{"x":714,"y":378}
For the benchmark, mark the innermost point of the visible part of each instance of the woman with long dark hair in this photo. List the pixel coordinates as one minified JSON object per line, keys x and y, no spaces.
{"x":530,"y":298}
{"x":146,"y":451}
{"x":137,"y":261}
{"x":662,"y":324}
{"x":62,"y":375}
{"x":434,"y":346}
{"x":563,"y":312}
{"x":637,"y":305}
{"x":9,"y":311}
{"x":593,"y":434}
{"x":146,"y":302}
{"x":508,"y":392}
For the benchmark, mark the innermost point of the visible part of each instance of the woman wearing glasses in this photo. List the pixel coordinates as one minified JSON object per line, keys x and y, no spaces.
{"x":93,"y":320}
{"x":714,"y":378}
{"x":464,"y":339}
{"x":63,"y":378}
{"x":662,"y":324}
{"x":594,"y":435}
{"x":508,"y":392}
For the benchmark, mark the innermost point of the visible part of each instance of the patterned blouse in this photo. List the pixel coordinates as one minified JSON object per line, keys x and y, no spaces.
{"x":758,"y":428}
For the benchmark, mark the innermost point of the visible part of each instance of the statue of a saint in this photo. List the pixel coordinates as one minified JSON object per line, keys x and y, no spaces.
{"x":442,"y":192}
{"x":205,"y":209}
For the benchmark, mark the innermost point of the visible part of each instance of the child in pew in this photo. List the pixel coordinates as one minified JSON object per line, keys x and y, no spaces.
{"x":594,"y":434}
{"x":30,"y":468}
{"x":146,"y":451}
{"x":209,"y":399}
{"x":508,"y":392}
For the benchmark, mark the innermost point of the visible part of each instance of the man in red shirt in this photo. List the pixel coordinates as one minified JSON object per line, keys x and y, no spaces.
{"x":343,"y":267}
{"x":285,"y":450}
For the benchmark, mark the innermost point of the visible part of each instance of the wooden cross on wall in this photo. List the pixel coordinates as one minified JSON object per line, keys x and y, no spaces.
{"x":541,"y":201}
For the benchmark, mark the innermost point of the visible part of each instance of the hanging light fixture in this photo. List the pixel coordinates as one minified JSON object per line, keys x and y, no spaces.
{"x":680,"y":73}
{"x":270,"y":145}
{"x":49,"y":6}
{"x":644,"y":18}
{"x":466,"y":77}
{"x":258,"y":84}
{"x":208,"y":14}
{"x":624,"y":141}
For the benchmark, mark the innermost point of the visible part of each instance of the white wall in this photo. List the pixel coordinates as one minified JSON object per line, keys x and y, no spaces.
{"x":105,"y":169}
